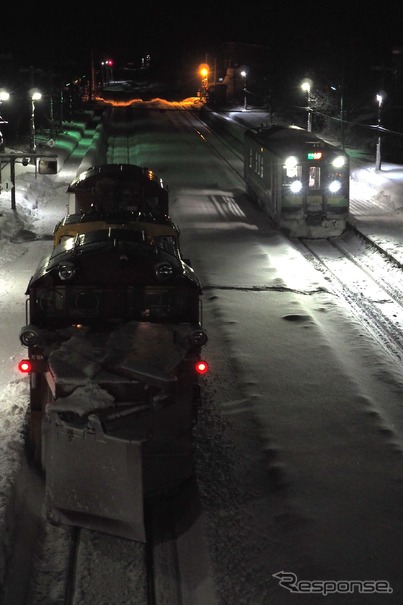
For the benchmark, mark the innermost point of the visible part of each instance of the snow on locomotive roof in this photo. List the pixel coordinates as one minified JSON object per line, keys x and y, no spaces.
{"x":118,"y":172}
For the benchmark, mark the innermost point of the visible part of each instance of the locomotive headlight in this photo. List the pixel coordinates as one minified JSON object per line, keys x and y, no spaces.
{"x":163,"y":271}
{"x":296,"y":186}
{"x":66,"y":271}
{"x":29,"y":336}
{"x":339,"y":161}
{"x":334,"y":186}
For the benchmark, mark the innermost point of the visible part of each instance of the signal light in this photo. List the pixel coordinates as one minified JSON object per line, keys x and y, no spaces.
{"x":202,"y":367}
{"x":25,"y":366}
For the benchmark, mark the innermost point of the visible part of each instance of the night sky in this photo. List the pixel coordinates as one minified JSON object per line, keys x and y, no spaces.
{"x":329,"y":41}
{"x":44,"y":31}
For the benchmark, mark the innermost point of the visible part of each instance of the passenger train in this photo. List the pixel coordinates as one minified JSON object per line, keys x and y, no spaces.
{"x":299,"y":180}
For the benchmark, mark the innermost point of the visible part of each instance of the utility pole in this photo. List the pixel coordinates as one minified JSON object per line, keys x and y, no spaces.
{"x":379,"y":99}
{"x":92,"y":83}
{"x":342,"y":125}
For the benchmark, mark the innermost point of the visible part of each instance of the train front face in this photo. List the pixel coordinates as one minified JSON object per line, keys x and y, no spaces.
{"x":114,"y":336}
{"x":102,"y":280}
{"x":301,"y":181}
{"x":315,"y":186}
{"x":109,"y":276}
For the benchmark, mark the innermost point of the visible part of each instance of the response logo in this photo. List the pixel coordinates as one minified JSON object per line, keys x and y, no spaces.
{"x":289,"y":581}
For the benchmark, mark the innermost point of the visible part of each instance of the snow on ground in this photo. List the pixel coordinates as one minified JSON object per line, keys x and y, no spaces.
{"x":41,"y":202}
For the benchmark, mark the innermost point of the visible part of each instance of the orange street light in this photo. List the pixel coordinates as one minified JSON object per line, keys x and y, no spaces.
{"x":204,"y":71}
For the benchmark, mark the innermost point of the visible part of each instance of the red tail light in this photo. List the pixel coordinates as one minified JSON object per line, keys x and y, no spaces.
{"x":25,"y":366}
{"x":202,"y":367}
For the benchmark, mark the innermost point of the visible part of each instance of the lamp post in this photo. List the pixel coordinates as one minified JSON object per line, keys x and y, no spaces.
{"x":342,"y":135}
{"x":341,"y":92}
{"x":35,"y":96}
{"x":4,"y":96}
{"x":102,"y":74}
{"x":306,"y":87}
{"x":244,"y":74}
{"x":204,"y":71}
{"x":379,"y":99}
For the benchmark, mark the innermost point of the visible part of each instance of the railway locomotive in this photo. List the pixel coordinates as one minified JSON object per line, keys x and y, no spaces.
{"x":114,"y":338}
{"x":299,"y":180}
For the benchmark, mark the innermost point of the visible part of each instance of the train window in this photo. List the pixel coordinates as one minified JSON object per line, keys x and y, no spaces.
{"x":314,"y":177}
{"x":51,"y":302}
{"x":83,"y":302}
{"x":168,"y":243}
{"x":165,"y":305}
{"x":256,"y":163}
{"x":66,"y":237}
{"x":86,"y":301}
{"x":152,"y":203}
{"x":250,"y":158}
{"x":291,"y":173}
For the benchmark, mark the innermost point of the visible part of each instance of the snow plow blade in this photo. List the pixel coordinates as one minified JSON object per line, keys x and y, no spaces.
{"x":93,"y":480}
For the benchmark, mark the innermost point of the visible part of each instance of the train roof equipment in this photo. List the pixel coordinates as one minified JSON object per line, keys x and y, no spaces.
{"x":280,"y":139}
{"x":120,"y":187}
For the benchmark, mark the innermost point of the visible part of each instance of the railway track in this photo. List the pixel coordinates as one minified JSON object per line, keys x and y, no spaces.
{"x":72,"y":565}
{"x":69,"y":565}
{"x":367,"y":280}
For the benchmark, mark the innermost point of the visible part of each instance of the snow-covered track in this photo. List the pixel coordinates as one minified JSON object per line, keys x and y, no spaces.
{"x":367,"y":279}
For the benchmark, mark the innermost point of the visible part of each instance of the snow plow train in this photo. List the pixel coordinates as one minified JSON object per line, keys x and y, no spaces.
{"x":114,"y":338}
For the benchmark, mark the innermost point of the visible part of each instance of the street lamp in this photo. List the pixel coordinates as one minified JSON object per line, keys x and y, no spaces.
{"x":244,"y":74}
{"x":379,"y":99}
{"x":204,"y":71}
{"x":35,"y":96}
{"x":4,"y":96}
{"x":306,"y":87}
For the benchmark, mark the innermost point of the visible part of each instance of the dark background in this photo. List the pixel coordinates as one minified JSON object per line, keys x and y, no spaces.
{"x":352,"y":47}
